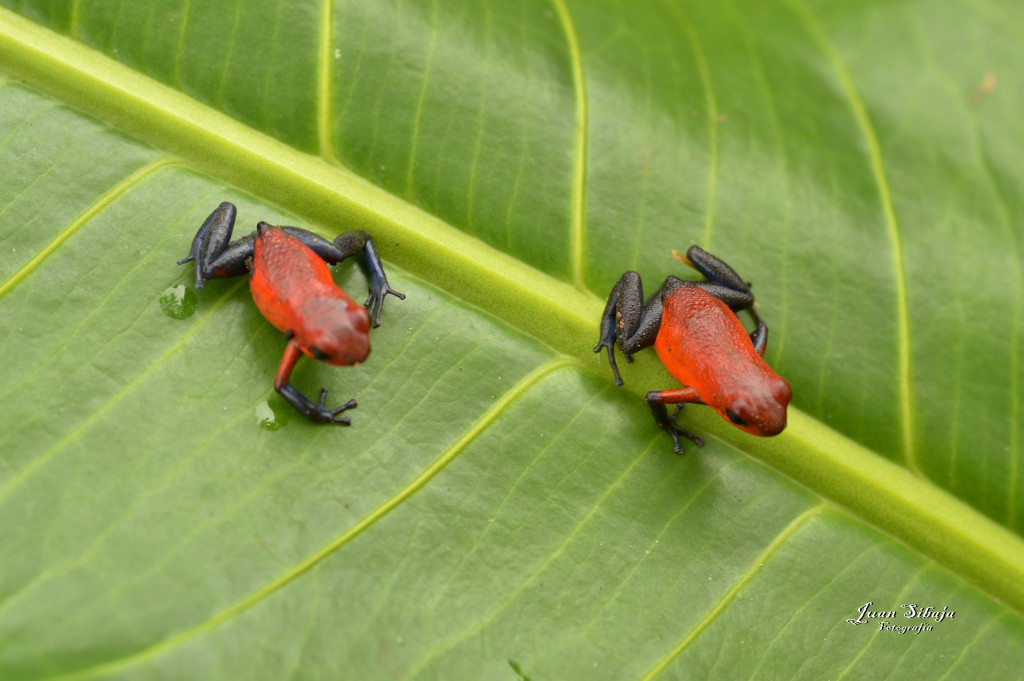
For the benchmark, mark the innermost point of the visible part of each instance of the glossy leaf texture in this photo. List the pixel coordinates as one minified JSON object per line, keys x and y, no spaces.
{"x":499,"y":509}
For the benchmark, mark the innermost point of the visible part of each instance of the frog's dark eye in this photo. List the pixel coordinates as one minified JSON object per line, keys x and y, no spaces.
{"x":735,"y":418}
{"x":318,"y":353}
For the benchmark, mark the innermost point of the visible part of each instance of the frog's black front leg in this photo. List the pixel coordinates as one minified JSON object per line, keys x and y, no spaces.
{"x":726,"y":285}
{"x":345,"y":246}
{"x":314,"y":412}
{"x":657,"y":400}
{"x":628,"y":321}
{"x":214,"y":255}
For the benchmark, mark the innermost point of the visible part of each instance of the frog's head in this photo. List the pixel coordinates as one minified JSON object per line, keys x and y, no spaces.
{"x":759,"y":410}
{"x":338,"y":335}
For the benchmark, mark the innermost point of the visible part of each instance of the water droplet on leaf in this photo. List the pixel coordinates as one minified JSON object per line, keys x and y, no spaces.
{"x":267,"y":418}
{"x":178,"y":302}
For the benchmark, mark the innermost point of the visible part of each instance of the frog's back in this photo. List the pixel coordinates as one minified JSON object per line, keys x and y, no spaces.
{"x":703,"y":344}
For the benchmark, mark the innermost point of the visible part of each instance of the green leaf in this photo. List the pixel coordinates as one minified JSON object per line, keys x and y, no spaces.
{"x":499,"y":509}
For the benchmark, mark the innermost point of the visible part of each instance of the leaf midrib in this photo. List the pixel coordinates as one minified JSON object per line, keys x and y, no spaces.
{"x":871,"y":487}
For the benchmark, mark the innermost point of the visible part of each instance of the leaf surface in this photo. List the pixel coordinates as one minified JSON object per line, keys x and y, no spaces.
{"x":499,"y":509}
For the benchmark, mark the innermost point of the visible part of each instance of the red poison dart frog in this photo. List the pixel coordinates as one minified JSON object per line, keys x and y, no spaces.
{"x":700,"y":340}
{"x":293,"y":288}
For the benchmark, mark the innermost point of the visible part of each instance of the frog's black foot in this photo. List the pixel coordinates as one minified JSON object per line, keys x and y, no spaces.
{"x":609,"y":343}
{"x":675,"y":431}
{"x":324,"y":415}
{"x":375,"y":302}
{"x":668,"y":424}
{"x":318,"y":413}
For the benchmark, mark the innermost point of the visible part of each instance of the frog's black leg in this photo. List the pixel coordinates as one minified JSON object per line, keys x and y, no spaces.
{"x":759,"y":336}
{"x":345,"y":246}
{"x":657,"y":400}
{"x":214,"y":256}
{"x":314,"y":412}
{"x":723,"y":282}
{"x":727,"y":286}
{"x":628,"y":321}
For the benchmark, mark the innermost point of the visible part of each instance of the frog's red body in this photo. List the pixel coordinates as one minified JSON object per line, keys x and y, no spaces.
{"x":700,"y":340}
{"x":703,"y":345}
{"x":294,"y":290}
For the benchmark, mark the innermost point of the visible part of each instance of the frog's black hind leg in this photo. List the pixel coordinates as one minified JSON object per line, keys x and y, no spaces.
{"x":214,"y":255}
{"x":628,"y":321}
